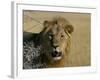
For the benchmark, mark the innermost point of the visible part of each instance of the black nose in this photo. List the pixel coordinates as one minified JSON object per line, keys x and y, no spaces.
{"x":55,"y":46}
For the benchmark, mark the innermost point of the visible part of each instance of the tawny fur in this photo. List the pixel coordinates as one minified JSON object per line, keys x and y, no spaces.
{"x":60,"y":26}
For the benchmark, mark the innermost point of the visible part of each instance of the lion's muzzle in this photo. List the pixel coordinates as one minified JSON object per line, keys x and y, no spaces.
{"x":57,"y":53}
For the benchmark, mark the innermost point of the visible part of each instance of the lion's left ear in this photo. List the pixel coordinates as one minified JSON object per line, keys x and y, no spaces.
{"x":69,"y":28}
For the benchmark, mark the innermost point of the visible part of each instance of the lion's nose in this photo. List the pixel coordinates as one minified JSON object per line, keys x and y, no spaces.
{"x":58,"y":49}
{"x":55,"y":47}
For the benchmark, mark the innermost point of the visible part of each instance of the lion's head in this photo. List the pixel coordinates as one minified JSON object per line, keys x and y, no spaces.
{"x":58,"y":33}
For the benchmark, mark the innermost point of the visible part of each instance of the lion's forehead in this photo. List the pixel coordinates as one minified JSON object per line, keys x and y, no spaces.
{"x":62,"y":22}
{"x":57,"y":29}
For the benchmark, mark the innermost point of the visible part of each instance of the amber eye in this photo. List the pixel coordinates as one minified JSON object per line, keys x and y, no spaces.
{"x":62,"y":36}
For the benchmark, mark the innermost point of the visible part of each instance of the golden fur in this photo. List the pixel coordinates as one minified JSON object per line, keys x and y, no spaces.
{"x":61,"y":31}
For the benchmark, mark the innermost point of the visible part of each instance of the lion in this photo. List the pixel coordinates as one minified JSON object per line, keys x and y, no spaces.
{"x":56,"y":41}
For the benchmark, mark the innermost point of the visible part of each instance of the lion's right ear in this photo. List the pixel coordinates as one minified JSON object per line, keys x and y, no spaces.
{"x":69,"y":28}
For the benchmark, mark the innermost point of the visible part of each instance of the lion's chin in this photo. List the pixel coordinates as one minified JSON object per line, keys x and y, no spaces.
{"x":57,"y":58}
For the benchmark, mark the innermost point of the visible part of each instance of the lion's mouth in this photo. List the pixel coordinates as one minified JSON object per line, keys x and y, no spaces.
{"x":56,"y":54}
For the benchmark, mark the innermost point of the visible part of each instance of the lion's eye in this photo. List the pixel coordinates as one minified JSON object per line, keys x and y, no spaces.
{"x":50,"y":37}
{"x":62,"y":36}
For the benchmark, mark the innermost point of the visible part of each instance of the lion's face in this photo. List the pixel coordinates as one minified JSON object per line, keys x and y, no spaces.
{"x":58,"y":32}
